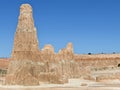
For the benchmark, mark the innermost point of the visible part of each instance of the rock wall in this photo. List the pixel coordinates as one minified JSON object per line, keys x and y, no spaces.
{"x":31,"y":66}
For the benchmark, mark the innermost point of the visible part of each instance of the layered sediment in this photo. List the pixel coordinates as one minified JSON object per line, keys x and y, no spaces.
{"x":25,"y":52}
{"x":29,"y":65}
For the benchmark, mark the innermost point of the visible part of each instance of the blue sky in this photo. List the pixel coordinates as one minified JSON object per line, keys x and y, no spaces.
{"x":91,"y":25}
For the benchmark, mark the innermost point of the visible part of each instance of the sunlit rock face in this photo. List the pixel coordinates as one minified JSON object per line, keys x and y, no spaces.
{"x":47,"y":53}
{"x":25,"y":53}
{"x":29,"y":65}
{"x":66,"y":53}
{"x":25,"y":42}
{"x":25,"y":22}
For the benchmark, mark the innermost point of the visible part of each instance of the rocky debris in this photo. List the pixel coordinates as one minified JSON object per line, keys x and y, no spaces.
{"x":83,"y":84}
{"x":102,"y":78}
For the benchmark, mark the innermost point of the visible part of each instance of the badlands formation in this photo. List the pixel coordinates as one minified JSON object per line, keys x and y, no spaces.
{"x":30,"y":66}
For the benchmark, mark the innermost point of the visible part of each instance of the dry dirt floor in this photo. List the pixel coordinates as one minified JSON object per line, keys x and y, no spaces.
{"x":54,"y":88}
{"x":74,"y":84}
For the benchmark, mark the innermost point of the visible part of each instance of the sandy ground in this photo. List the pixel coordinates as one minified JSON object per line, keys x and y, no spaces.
{"x":59,"y":88}
{"x":74,"y":84}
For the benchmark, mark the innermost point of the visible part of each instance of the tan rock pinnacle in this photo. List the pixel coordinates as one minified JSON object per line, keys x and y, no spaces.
{"x":29,"y":65}
{"x":26,"y":22}
{"x":25,"y":51}
{"x":25,"y":42}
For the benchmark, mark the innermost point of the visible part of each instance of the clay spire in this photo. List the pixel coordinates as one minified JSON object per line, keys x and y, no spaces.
{"x":25,"y":41}
{"x":26,"y":22}
{"x":25,"y":51}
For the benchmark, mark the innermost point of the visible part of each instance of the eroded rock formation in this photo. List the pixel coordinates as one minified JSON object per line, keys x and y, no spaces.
{"x":66,"y":53}
{"x":47,"y":53}
{"x":29,"y":65}
{"x":25,"y":51}
{"x":25,"y":42}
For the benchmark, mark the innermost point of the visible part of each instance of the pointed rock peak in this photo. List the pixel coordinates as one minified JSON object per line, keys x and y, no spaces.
{"x":26,"y":35}
{"x":70,"y":45}
{"x":25,"y":8}
{"x":26,"y":22}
